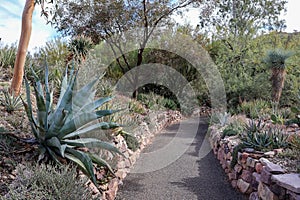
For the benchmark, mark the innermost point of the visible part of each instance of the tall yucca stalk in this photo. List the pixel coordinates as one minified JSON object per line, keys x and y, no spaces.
{"x":276,"y":61}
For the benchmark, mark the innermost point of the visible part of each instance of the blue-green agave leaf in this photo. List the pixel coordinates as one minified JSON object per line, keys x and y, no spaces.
{"x":85,"y":160}
{"x":101,"y":162}
{"x":82,"y":120}
{"x":92,"y":143}
{"x":101,"y":125}
{"x":54,"y":142}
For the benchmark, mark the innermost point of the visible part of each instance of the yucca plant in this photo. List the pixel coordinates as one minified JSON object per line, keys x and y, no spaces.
{"x":79,"y":47}
{"x":58,"y":130}
{"x":276,"y":61}
{"x":10,"y":101}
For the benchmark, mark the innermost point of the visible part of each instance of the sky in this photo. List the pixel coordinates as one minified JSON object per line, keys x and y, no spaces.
{"x":11,"y":12}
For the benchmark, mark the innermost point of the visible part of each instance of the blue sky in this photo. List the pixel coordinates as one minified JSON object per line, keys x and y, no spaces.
{"x":11,"y":11}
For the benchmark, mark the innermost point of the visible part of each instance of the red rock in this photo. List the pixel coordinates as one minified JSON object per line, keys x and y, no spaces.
{"x":258,"y":167}
{"x":265,"y":193}
{"x":244,"y":157}
{"x":266,"y":176}
{"x":243,"y":186}
{"x":247,"y":176}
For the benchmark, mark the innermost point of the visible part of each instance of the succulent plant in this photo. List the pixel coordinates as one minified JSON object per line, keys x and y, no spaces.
{"x":58,"y":130}
{"x":11,"y":102}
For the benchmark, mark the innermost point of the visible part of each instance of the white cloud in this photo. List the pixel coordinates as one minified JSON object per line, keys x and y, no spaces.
{"x":10,"y":25}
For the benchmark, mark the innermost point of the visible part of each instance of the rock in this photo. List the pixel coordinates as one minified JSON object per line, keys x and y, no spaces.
{"x":294,"y":125}
{"x":244,"y":157}
{"x":247,"y":176}
{"x":258,"y":167}
{"x":251,"y":162}
{"x":232,"y":176}
{"x":288,"y":181}
{"x":238,"y":168}
{"x":111,"y":193}
{"x":278,"y":151}
{"x":271,"y":167}
{"x":249,"y":150}
{"x":265,"y":193}
{"x":254,"y":196}
{"x":243,"y":185}
{"x":278,"y":190}
{"x":270,"y":154}
{"x":256,"y":178}
{"x":293,"y":196}
{"x":266,"y":176}
{"x":234,"y":183}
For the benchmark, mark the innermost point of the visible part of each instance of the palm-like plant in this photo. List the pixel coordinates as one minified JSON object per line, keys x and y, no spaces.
{"x":58,"y":130}
{"x":276,"y":60}
{"x":79,"y":47}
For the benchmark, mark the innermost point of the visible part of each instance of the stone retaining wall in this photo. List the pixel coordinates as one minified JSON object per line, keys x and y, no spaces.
{"x":144,"y":132}
{"x":253,"y":174}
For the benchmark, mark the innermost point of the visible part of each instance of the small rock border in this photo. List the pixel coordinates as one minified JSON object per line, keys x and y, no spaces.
{"x":254,"y":174}
{"x":144,"y":133}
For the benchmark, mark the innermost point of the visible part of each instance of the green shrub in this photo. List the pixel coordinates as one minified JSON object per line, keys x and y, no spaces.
{"x":8,"y":56}
{"x":58,"y":131}
{"x":232,"y":129}
{"x":47,"y":182}
{"x":220,"y":118}
{"x":254,"y":109}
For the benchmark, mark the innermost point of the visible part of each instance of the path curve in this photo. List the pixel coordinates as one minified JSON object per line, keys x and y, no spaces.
{"x":188,"y":178}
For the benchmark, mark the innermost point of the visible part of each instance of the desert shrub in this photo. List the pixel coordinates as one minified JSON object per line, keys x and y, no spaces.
{"x":221,"y":118}
{"x":234,"y":128}
{"x":8,"y":55}
{"x":47,"y":182}
{"x":156,"y":102}
{"x":255,"y":108}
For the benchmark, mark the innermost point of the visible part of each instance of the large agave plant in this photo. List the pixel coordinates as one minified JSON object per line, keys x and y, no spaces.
{"x":58,"y":130}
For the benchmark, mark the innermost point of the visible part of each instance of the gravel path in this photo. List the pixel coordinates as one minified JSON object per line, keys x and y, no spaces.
{"x":188,"y":178}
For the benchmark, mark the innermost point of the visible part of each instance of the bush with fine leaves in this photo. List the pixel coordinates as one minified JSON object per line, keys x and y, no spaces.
{"x":47,"y":182}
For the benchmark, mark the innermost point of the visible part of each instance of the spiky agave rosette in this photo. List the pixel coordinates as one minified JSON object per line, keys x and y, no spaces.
{"x":58,"y":130}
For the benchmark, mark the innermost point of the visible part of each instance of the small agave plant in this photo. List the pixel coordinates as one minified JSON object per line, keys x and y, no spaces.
{"x":11,"y":102}
{"x":57,"y":129}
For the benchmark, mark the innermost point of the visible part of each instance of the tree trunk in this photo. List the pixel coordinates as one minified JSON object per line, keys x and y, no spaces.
{"x":278,"y":78}
{"x":22,"y":48}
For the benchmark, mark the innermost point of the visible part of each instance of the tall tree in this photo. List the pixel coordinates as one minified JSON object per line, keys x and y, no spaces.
{"x":242,"y":17}
{"x":26,"y":29}
{"x":22,"y":48}
{"x":108,"y":20}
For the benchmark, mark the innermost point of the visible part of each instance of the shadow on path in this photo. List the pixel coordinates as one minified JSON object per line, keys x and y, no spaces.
{"x":189,"y":177}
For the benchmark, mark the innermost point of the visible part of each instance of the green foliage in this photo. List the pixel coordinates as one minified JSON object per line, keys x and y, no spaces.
{"x":131,"y":140}
{"x":260,"y":139}
{"x":156,"y":102}
{"x":255,"y":108}
{"x":79,"y":47}
{"x":232,"y":129}
{"x":8,"y":56}
{"x":10,"y":101}
{"x":219,"y":118}
{"x":254,"y":127}
{"x":277,"y":58}
{"x":235,"y":151}
{"x":48,"y":182}
{"x":55,"y":52}
{"x":58,"y":130}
